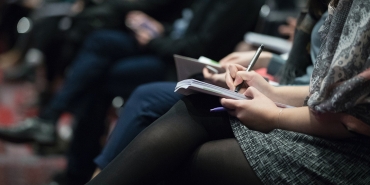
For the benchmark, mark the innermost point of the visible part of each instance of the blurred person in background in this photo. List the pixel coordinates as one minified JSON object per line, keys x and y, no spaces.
{"x":109,"y":59}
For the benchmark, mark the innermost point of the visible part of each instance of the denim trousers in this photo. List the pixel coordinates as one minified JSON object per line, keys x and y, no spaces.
{"x":147,"y":103}
{"x":109,"y":64}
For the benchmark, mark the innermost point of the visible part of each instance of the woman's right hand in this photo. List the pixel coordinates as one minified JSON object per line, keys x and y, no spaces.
{"x":244,"y":58}
{"x":236,"y":74}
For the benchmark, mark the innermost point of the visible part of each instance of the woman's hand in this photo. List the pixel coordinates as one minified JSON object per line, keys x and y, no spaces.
{"x":244,"y":58}
{"x":259,"y":113}
{"x":145,"y":27}
{"x":236,"y":74}
{"x":216,"y":79}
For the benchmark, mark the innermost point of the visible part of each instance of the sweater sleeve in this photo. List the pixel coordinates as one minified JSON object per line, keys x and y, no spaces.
{"x":212,"y":29}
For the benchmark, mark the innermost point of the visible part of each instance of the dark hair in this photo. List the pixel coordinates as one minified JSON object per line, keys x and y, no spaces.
{"x":317,"y":7}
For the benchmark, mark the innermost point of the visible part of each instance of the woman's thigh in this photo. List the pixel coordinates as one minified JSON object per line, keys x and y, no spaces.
{"x":221,"y":162}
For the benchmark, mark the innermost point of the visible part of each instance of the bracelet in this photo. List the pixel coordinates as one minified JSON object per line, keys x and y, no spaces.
{"x":278,"y":121}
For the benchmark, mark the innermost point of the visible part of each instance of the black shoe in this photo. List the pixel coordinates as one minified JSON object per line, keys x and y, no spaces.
{"x":31,"y":130}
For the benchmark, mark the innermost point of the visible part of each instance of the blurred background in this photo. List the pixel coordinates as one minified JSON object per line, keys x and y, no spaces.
{"x":25,"y":90}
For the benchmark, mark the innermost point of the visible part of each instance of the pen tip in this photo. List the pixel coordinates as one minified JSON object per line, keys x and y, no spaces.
{"x":262,"y":46}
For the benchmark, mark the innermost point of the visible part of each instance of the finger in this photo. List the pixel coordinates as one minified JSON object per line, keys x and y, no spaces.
{"x":242,"y":76}
{"x":130,"y":14}
{"x":206,"y":73}
{"x":142,"y":36}
{"x":229,"y":81}
{"x":230,"y":103}
{"x":238,"y":79}
{"x":252,"y":92}
{"x":249,"y":77}
{"x":231,"y":73}
{"x":234,"y":68}
{"x":140,"y":40}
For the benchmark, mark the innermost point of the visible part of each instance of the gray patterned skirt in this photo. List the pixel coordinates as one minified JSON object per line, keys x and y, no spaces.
{"x":284,"y":157}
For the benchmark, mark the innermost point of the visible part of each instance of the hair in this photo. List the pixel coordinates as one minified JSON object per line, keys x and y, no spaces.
{"x":318,"y":7}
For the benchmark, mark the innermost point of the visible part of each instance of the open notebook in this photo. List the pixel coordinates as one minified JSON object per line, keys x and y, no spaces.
{"x":191,"y":86}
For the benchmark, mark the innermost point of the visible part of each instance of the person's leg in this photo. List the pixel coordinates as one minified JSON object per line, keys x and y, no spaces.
{"x":146,"y":104}
{"x":86,"y":143}
{"x":165,"y":146}
{"x":217,"y":162}
{"x":128,"y":73}
{"x":100,"y":51}
{"x":123,"y":76}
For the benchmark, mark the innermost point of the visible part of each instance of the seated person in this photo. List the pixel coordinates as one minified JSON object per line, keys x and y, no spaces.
{"x":323,"y":139}
{"x":109,"y":61}
{"x":141,"y":110}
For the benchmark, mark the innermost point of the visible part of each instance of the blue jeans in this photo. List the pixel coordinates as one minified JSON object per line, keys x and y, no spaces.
{"x":110,"y":58}
{"x":109,"y":64}
{"x":147,"y":103}
{"x":91,"y":110}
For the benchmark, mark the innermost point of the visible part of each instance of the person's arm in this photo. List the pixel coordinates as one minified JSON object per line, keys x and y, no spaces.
{"x":244,"y":58}
{"x":303,"y":120}
{"x":260,"y":113}
{"x":210,"y":32}
{"x":140,"y":5}
{"x":290,"y":95}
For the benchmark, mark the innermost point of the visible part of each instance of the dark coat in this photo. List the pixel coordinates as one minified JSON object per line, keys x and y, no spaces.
{"x":217,"y":26}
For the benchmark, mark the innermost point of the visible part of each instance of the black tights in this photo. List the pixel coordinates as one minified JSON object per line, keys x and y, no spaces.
{"x":188,"y":145}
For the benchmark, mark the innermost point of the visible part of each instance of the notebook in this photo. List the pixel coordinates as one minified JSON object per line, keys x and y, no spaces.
{"x":191,"y":86}
{"x":187,"y":67}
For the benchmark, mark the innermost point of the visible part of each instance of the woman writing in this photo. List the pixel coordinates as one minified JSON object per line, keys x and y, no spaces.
{"x":324,"y":140}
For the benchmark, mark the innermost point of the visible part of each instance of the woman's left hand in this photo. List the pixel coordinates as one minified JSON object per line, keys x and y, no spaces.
{"x":259,"y":113}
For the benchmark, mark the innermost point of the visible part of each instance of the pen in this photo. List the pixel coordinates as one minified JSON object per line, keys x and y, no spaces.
{"x":251,"y":64}
{"x":212,"y":69}
{"x":218,"y":109}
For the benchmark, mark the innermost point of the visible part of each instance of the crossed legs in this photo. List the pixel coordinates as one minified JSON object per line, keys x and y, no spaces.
{"x":187,"y":141}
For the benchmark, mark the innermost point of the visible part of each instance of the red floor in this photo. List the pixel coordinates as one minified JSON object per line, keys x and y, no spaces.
{"x":19,"y":163}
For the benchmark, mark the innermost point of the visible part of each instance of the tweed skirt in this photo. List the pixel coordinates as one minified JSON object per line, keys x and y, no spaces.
{"x":285,"y":157}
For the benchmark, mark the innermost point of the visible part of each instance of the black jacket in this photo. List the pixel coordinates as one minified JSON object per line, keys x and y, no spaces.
{"x":111,"y":14}
{"x":162,"y":10}
{"x":217,"y":26}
